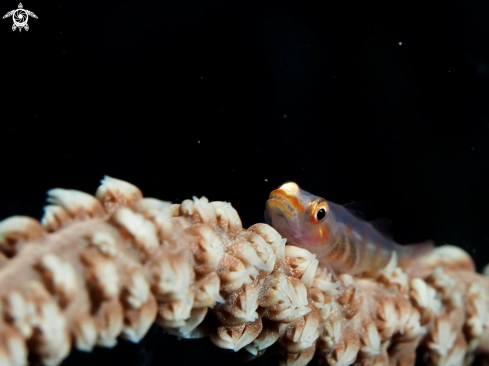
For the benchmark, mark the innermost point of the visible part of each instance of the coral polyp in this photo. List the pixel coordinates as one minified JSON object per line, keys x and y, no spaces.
{"x":106,"y":266}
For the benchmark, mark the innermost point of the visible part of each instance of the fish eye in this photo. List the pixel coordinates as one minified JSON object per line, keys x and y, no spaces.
{"x":320,"y":212}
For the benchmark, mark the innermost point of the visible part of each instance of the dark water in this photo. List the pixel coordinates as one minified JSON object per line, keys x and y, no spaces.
{"x":377,"y":101}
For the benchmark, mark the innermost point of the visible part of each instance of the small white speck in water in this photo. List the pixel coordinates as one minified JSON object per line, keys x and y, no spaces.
{"x":266,"y":180}
{"x":198,"y":141}
{"x":285,"y":116}
{"x":400,"y":43}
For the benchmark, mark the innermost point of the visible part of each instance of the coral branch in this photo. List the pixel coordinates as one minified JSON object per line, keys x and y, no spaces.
{"x":109,"y":266}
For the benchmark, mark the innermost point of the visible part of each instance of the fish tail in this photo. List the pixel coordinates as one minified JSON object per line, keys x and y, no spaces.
{"x":408,"y":256}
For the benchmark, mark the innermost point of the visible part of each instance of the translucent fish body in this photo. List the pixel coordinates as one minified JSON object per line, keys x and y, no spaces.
{"x":341,"y":241}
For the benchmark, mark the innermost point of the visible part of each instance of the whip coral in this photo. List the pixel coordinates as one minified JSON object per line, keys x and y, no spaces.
{"x":98,"y":268}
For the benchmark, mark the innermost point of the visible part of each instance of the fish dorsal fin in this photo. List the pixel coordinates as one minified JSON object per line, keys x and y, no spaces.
{"x":359,"y":209}
{"x":365,"y":211}
{"x":383,"y":225}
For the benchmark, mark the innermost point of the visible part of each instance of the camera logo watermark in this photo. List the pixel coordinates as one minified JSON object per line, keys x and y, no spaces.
{"x":20,"y":17}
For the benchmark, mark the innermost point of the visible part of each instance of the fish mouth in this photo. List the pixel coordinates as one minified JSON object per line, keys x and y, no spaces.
{"x":284,"y":203}
{"x":279,"y":207}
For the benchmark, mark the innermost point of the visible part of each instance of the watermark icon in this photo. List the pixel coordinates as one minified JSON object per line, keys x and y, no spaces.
{"x":20,"y":17}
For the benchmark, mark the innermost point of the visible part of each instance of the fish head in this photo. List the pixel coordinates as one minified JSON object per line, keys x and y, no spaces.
{"x":300,"y":217}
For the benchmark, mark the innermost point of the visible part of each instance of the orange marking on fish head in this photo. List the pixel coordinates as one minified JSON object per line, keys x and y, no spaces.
{"x":324,"y":234}
{"x":285,"y":198}
{"x":274,"y":203}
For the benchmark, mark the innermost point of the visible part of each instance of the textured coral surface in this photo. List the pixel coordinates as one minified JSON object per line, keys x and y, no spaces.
{"x":109,"y":266}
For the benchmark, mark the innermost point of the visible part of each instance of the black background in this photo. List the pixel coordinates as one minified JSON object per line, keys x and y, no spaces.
{"x":378,"y":101}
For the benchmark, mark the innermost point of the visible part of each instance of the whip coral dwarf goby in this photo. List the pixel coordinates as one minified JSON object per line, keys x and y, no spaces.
{"x":342,"y":242}
{"x":97,"y":268}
